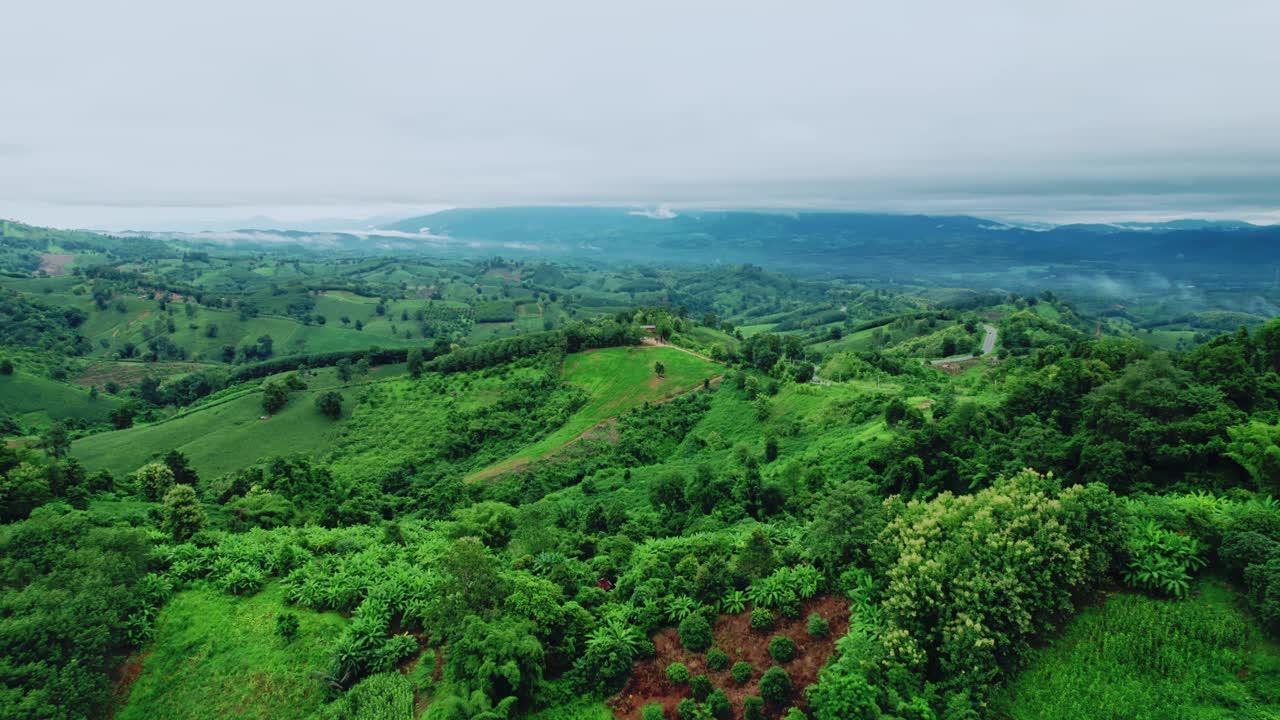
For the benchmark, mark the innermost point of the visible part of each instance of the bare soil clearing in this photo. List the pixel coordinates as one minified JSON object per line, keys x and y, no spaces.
{"x":733,"y":635}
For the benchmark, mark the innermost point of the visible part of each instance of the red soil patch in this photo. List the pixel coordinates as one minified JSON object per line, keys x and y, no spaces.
{"x":51,"y":264}
{"x":733,"y":634}
{"x":122,"y":680}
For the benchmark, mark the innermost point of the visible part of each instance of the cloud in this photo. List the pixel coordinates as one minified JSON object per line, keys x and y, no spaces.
{"x":1012,"y":109}
{"x":662,"y":212}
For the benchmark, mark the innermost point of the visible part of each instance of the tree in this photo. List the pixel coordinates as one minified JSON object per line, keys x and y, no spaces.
{"x":330,"y":404}
{"x":183,"y":515}
{"x":1256,"y":447}
{"x":343,"y":367}
{"x":122,"y":417}
{"x":762,"y":408}
{"x":6,"y":367}
{"x":23,"y":489}
{"x":667,"y":491}
{"x":154,"y":480}
{"x":274,"y":397}
{"x":845,"y":523}
{"x":149,"y":390}
{"x":415,"y":362}
{"x":183,"y":473}
{"x":660,"y":369}
{"x":56,"y":440}
{"x":756,"y":559}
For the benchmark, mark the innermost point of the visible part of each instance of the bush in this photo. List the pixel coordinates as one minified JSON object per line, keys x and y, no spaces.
{"x":818,"y":626}
{"x":695,"y":633}
{"x":687,"y":709}
{"x":154,"y":480}
{"x":761,"y":619}
{"x":717,"y":705}
{"x":795,"y":714}
{"x":678,"y":673}
{"x":741,"y":671}
{"x":752,"y":708}
{"x":782,"y":649}
{"x":330,"y":404}
{"x":717,"y":659}
{"x":287,"y":626}
{"x":775,"y":686}
{"x":1162,"y":561}
{"x":652,"y":711}
{"x":700,"y":685}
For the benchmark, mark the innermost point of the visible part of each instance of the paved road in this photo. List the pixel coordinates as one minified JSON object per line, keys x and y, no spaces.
{"x":988,"y":344}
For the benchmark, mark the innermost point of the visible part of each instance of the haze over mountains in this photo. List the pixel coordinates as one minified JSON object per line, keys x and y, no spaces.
{"x":837,"y":243}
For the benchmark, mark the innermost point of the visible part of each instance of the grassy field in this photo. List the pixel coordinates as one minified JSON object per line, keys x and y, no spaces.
{"x":36,"y":400}
{"x":618,"y":380}
{"x":228,"y":435}
{"x":217,"y":655}
{"x":1170,"y":339}
{"x":1138,"y":658}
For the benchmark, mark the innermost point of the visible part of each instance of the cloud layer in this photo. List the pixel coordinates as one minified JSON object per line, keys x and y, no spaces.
{"x":1015,"y":108}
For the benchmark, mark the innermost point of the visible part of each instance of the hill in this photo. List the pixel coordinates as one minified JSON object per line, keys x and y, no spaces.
{"x":617,"y":380}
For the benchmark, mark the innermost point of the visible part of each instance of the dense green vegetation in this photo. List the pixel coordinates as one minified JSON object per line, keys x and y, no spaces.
{"x":291,"y":482}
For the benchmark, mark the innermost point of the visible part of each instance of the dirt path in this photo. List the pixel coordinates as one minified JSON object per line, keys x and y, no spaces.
{"x":655,"y":342}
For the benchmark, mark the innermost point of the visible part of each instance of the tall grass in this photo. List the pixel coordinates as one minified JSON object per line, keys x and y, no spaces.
{"x":1136,"y":657}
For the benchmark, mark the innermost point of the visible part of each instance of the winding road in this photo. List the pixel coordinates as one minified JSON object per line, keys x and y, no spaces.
{"x":988,"y":345}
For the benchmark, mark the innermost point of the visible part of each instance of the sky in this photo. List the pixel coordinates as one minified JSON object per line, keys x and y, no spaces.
{"x":155,"y":114}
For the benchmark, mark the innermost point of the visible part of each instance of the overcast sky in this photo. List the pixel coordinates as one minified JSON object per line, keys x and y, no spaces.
{"x":133,"y":112}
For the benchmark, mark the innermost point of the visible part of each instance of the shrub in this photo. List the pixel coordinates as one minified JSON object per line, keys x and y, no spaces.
{"x":700,"y":685}
{"x":717,"y":659}
{"x":652,"y":711}
{"x":330,"y":404}
{"x":717,"y":705}
{"x":795,"y":714}
{"x":687,"y":709}
{"x":287,"y":626}
{"x":740,"y":672}
{"x":1242,"y":549}
{"x":761,"y":619}
{"x":775,"y":686}
{"x":752,"y":708}
{"x":695,"y":633}
{"x":818,"y":626}
{"x":154,"y":480}
{"x":1162,"y":561}
{"x":678,"y":673}
{"x":183,"y":514}
{"x":782,"y":649}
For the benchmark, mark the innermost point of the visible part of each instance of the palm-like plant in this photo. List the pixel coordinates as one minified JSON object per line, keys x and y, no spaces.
{"x":806,"y":580}
{"x":616,"y":635}
{"x":734,"y":602}
{"x":681,"y":607}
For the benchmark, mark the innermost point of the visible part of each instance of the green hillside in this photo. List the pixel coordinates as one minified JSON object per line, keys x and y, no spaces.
{"x":34,"y":400}
{"x":617,"y":379}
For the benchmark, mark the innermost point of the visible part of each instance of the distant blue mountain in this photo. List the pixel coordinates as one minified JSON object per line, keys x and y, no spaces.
{"x":847,"y":242}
